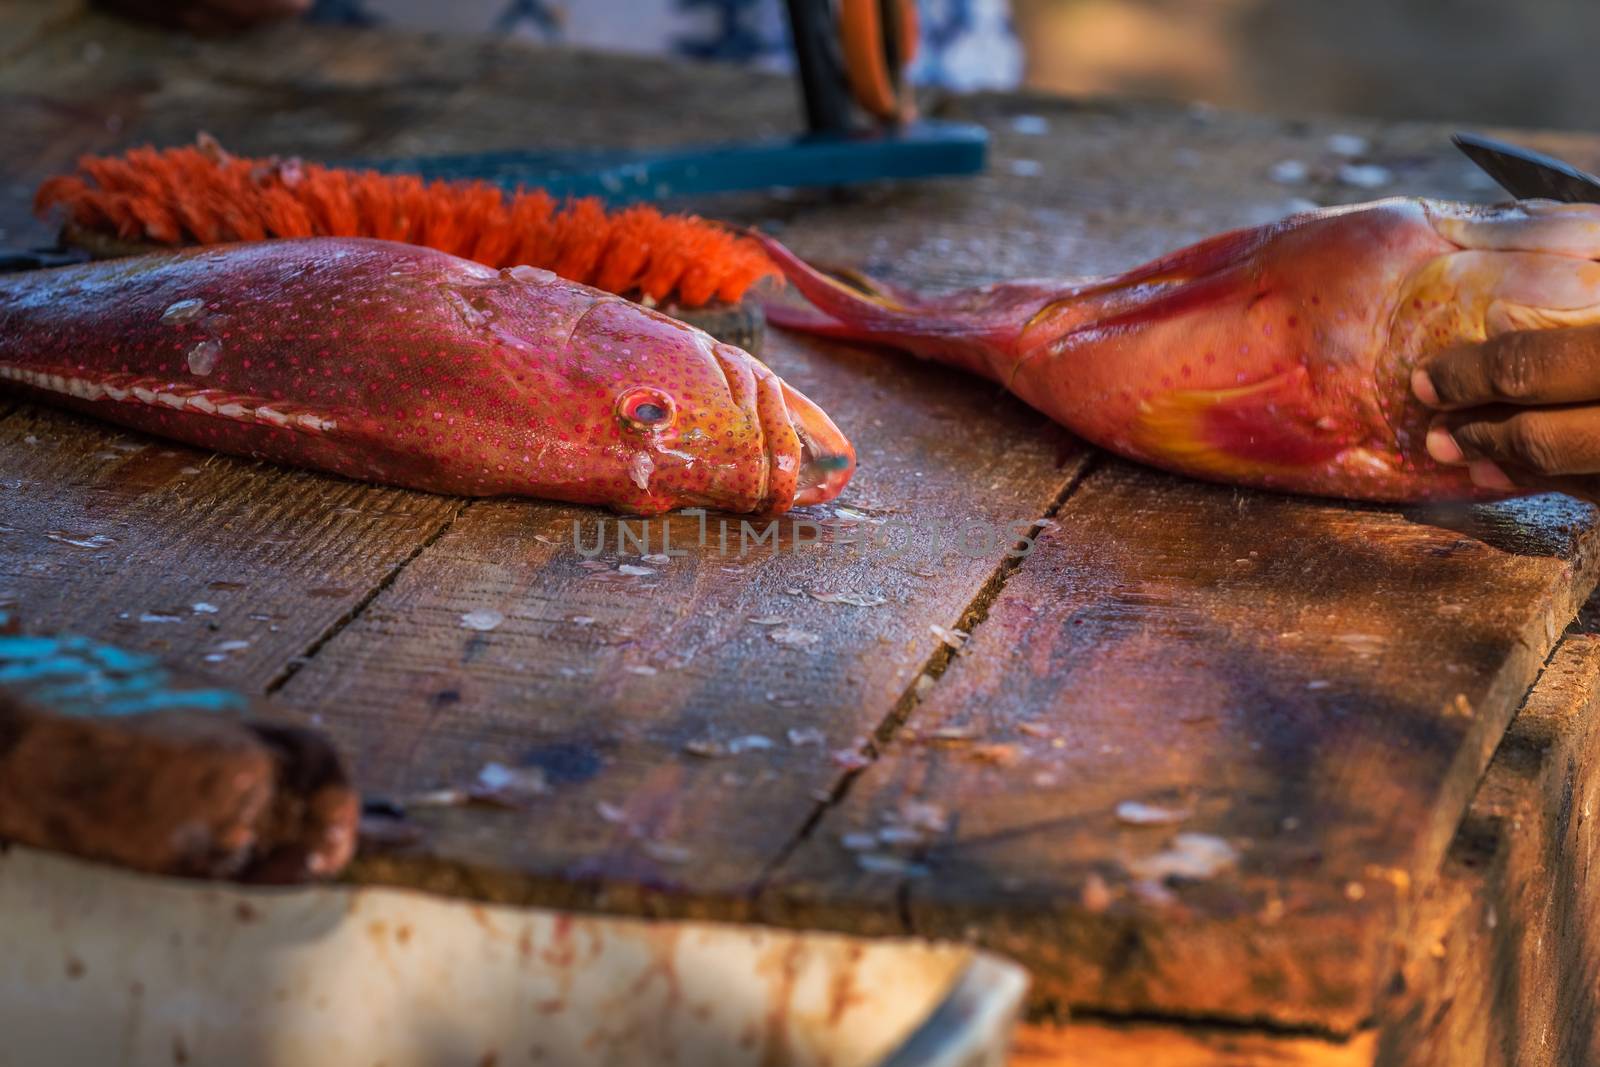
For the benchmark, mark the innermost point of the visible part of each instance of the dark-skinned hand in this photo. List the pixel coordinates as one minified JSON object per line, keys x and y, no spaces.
{"x":1519,"y":410}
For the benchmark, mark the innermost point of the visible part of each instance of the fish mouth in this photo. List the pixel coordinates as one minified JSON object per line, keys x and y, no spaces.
{"x":804,"y":457}
{"x":827,"y":459}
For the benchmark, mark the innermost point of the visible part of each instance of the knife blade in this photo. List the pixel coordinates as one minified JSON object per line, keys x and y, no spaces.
{"x":1527,"y":174}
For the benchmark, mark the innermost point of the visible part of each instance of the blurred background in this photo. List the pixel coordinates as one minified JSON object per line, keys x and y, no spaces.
{"x":1512,"y":62}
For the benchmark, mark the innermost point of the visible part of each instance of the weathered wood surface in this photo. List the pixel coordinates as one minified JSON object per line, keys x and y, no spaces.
{"x":1505,"y":971}
{"x":620,"y":687}
{"x":351,"y":597}
{"x":1498,"y":964}
{"x":1155,"y":1044}
{"x":1300,"y":699}
{"x":231,"y":568}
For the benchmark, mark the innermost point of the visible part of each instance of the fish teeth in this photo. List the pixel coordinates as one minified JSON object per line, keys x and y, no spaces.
{"x":202,"y":404}
{"x":271,"y":416}
{"x":172,"y":400}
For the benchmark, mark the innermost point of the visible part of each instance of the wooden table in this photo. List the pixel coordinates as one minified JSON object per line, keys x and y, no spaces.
{"x":1207,"y":763}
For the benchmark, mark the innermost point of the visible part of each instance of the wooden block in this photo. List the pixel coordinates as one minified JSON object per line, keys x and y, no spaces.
{"x":1204,"y":745}
{"x":1502,"y":956}
{"x":1506,"y":967}
{"x":107,"y":755}
{"x":1152,"y":1044}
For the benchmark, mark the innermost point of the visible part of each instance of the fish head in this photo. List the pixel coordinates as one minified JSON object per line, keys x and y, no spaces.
{"x":647,"y":413}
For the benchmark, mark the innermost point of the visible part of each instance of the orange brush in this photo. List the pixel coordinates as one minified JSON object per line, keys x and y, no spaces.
{"x":203,"y":195}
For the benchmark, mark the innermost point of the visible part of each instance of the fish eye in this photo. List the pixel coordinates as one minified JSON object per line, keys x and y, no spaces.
{"x":647,"y":408}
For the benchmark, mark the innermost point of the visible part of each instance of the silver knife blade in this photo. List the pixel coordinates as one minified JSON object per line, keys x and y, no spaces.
{"x":1527,"y":174}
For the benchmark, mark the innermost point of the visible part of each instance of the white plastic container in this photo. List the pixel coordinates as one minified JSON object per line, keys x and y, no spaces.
{"x":104,"y":967}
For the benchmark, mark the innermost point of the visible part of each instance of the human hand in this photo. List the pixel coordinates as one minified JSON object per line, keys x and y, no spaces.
{"x":1520,"y":410}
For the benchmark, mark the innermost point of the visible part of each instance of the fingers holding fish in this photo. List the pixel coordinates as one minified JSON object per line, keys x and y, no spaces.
{"x":1503,"y":447}
{"x":1525,"y":367}
{"x":1521,"y":410}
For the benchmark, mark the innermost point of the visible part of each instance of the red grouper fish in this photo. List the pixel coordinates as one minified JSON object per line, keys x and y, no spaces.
{"x":1278,"y":357}
{"x":397,"y":364}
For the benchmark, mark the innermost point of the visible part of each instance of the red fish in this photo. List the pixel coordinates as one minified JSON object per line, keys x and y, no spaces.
{"x":1278,"y":357}
{"x":407,"y":366}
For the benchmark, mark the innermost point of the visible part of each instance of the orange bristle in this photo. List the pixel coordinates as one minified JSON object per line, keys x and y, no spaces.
{"x":202,"y":195}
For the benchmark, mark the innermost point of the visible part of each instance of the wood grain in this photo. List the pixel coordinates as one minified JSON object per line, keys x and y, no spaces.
{"x":222,"y":567}
{"x":1150,"y":1044}
{"x":1310,"y":692}
{"x":1498,"y":964}
{"x":1143,"y":622}
{"x":1506,"y":968}
{"x":687,"y":713}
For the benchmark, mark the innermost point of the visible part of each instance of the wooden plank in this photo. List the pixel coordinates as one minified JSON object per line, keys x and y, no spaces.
{"x":219,"y":566}
{"x":1499,"y":964}
{"x":619,"y":689}
{"x":1294,"y":699}
{"x":1506,"y":970}
{"x":107,"y":755}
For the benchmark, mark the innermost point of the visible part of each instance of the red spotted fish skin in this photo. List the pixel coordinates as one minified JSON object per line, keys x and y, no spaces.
{"x":1277,"y":357}
{"x":410,"y":367}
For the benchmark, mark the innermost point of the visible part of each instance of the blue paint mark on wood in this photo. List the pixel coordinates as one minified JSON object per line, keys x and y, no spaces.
{"x":74,"y":675}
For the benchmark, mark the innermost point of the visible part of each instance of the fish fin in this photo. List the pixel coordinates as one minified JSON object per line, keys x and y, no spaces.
{"x":975,"y":329}
{"x":1220,"y":252}
{"x":1257,"y":428}
{"x":860,"y":302}
{"x":804,"y":318}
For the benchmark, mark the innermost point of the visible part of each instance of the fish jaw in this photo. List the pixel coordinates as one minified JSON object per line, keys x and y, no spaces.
{"x":395,"y":364}
{"x":827,"y":459}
